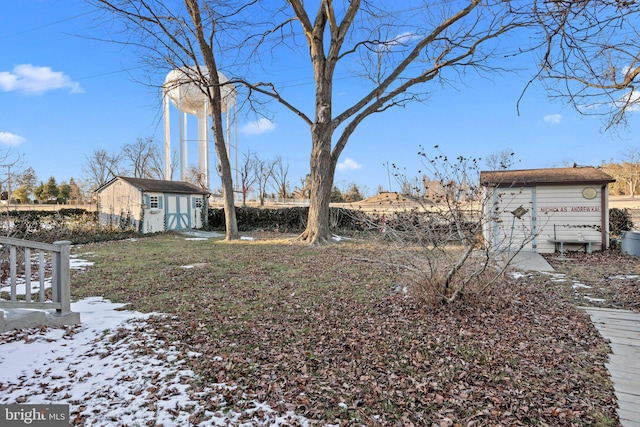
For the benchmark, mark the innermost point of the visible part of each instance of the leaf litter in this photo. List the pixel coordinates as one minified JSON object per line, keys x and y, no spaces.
{"x":289,"y":335}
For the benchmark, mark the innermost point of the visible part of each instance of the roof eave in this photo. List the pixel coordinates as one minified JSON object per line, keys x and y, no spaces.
{"x":512,"y":184}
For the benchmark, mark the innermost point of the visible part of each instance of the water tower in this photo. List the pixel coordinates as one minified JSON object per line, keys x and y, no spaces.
{"x":183,"y":88}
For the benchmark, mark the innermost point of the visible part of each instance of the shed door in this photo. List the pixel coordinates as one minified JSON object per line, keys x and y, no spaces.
{"x":177,"y":212}
{"x":512,"y":228}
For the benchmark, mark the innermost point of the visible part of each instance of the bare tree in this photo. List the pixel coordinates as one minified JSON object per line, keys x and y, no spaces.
{"x":196,"y":177}
{"x":626,"y":173}
{"x":100,"y":167}
{"x":144,"y":159}
{"x":280,"y":177}
{"x":631,"y":169}
{"x":400,"y":49}
{"x":74,"y":191}
{"x":500,"y":160}
{"x":591,"y":55}
{"x":264,"y":174}
{"x":185,"y":37}
{"x":303,"y":191}
{"x":248,"y":173}
{"x":11,"y":163}
{"x":25,"y":182}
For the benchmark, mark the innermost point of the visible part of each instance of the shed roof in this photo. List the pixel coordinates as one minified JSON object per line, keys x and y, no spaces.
{"x":549,"y":176}
{"x":158,"y":185}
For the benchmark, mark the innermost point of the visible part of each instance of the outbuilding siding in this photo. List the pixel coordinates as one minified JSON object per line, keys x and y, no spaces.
{"x":151,"y":205}
{"x":120,"y":202}
{"x":153,"y":216}
{"x":563,"y":210}
{"x":504,"y":229}
{"x":557,"y":208}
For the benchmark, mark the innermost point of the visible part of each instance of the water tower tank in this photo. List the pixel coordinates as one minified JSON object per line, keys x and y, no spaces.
{"x":182,"y":86}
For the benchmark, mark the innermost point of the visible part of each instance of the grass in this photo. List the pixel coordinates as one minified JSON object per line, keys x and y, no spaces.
{"x":307,"y":329}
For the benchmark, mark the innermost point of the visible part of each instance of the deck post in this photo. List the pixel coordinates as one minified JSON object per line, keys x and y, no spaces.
{"x":62,"y":277}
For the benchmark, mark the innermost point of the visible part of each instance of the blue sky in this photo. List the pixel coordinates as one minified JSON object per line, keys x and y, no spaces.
{"x":63,"y":95}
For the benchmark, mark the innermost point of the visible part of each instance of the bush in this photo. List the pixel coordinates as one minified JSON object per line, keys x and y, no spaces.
{"x":285,"y":220}
{"x":76,"y":225}
{"x":619,"y":221}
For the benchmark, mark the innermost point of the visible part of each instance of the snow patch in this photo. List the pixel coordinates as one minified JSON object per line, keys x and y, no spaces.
{"x":578,"y":285}
{"x":594,"y":299}
{"x":196,"y":265}
{"x":110,"y":369}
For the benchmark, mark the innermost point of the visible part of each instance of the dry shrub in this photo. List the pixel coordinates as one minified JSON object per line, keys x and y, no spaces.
{"x":439,"y":249}
{"x":433,"y":277}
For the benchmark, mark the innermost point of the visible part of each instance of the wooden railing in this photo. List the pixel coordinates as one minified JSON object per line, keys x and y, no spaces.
{"x":58,"y":255}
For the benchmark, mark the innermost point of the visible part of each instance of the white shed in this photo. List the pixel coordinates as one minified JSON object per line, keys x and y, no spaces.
{"x":547,"y":210}
{"x":151,"y":205}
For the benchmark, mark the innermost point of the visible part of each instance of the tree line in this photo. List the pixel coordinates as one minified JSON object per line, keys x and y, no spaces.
{"x":625,"y":172}
{"x":28,"y":190}
{"x":260,"y":179}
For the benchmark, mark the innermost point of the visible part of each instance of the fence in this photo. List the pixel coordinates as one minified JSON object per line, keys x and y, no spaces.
{"x":57,"y":254}
{"x":270,"y":202}
{"x":5,"y":207}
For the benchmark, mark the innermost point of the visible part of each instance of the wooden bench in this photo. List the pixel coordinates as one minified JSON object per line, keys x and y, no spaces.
{"x":561,"y":242}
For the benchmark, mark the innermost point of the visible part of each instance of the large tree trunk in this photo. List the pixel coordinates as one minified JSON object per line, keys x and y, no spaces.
{"x":230,"y":222}
{"x":318,"y":231}
{"x":322,"y":164}
{"x":322,"y":168}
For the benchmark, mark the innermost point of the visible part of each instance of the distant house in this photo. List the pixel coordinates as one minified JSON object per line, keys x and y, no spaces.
{"x":544,"y":210}
{"x":151,"y":205}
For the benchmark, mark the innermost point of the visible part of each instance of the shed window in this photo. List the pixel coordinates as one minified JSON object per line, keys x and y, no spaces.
{"x":198,"y":202}
{"x":153,"y":202}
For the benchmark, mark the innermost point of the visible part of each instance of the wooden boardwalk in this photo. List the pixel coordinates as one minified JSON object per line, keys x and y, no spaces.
{"x":622,"y":329}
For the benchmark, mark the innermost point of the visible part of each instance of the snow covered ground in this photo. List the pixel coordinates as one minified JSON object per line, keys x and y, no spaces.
{"x":112,"y":372}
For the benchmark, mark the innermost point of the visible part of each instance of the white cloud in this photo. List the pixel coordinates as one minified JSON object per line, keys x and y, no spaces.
{"x":553,"y":119}
{"x":261,"y":125}
{"x":11,"y":139}
{"x":404,"y":38}
{"x":33,"y":80}
{"x":630,"y":101}
{"x":401,"y":39}
{"x":349,"y":165}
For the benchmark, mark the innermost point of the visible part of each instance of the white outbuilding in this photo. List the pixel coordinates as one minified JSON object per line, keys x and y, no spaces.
{"x":151,"y":205}
{"x":547,"y":210}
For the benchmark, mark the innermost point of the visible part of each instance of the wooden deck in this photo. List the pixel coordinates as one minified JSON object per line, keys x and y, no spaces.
{"x":622,"y":329}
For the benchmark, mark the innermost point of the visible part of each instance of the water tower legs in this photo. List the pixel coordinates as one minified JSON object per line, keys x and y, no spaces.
{"x":167,"y":140}
{"x":203,"y":145}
